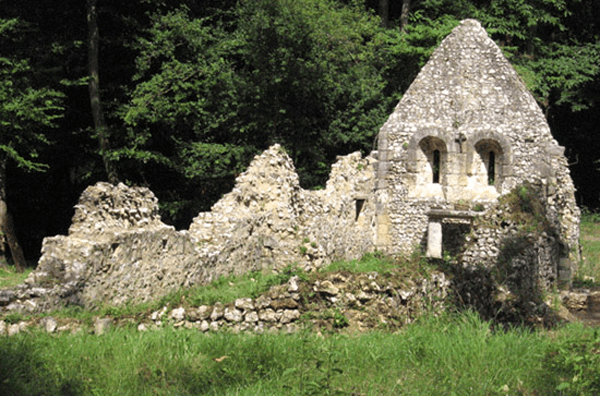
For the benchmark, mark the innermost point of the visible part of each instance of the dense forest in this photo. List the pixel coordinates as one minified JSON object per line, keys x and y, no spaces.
{"x":179,"y":95}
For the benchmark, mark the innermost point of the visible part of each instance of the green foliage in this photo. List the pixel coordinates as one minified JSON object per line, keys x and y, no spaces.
{"x":408,"y":51}
{"x":527,"y":210}
{"x":13,"y":317}
{"x":26,"y":111}
{"x":567,"y":71}
{"x":478,"y":208}
{"x":574,"y":360}
{"x":211,"y":92}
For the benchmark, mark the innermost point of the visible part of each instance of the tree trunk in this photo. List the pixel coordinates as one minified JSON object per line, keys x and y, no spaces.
{"x":94,"y":89}
{"x":384,"y":12}
{"x":8,"y":227}
{"x":404,"y":14}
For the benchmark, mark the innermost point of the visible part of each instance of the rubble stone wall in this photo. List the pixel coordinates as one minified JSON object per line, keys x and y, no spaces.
{"x":118,"y":250}
{"x":466,"y":102}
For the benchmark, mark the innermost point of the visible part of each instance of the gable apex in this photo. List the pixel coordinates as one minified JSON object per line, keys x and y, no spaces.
{"x":469,"y":82}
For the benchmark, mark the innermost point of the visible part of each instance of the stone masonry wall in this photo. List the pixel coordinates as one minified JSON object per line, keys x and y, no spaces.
{"x":118,"y":250}
{"x":466,"y":101}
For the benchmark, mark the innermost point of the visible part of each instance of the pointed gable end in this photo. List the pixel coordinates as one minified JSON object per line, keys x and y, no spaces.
{"x":468,"y":82}
{"x":466,"y":131}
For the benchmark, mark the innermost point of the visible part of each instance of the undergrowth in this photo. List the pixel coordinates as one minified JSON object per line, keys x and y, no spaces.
{"x":451,"y":354}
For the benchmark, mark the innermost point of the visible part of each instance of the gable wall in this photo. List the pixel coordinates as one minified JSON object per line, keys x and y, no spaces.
{"x":467,"y":100}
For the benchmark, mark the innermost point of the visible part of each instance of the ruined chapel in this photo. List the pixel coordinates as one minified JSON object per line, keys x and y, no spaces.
{"x":466,"y":133}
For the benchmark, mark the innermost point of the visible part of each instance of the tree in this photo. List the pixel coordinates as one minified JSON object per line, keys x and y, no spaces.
{"x":100,"y":127}
{"x":25,"y":113}
{"x":212,"y":92}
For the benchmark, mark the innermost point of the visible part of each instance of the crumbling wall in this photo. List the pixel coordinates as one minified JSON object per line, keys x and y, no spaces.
{"x":269,"y":221}
{"x":119,"y":251}
{"x":513,"y":255}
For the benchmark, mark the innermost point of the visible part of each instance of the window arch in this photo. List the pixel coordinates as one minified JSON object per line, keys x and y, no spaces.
{"x":488,"y":163}
{"x":432,"y":160}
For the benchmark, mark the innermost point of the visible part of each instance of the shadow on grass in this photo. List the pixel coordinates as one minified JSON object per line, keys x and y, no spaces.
{"x":23,"y":372}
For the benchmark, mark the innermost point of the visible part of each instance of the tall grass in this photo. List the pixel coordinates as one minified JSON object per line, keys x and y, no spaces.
{"x":450,"y":355}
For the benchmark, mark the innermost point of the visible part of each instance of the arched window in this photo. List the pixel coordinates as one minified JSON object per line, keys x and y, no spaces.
{"x":436,"y":166}
{"x":491,"y":168}
{"x":488,"y":162}
{"x":427,"y":169}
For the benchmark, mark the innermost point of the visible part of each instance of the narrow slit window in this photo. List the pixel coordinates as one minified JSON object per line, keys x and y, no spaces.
{"x":436,"y":166}
{"x":491,"y":168}
{"x":359,"y":205}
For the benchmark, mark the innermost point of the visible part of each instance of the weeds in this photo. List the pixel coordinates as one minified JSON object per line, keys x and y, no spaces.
{"x":575,"y":362}
{"x":370,"y":262}
{"x":227,"y":289}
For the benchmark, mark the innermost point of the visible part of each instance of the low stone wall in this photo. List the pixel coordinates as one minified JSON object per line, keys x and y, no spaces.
{"x":337,"y":302}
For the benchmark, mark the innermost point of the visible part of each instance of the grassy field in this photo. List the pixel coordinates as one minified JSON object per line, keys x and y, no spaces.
{"x":589,"y":268}
{"x":452,"y":354}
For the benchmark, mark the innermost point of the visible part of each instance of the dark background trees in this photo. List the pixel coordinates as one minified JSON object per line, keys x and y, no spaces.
{"x":191,"y":90}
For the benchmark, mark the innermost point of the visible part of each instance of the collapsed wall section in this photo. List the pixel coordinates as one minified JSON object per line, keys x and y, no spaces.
{"x":277,"y":223}
{"x":118,"y":250}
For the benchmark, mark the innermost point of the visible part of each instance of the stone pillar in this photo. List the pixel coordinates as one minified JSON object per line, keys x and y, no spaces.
{"x":434,"y":238}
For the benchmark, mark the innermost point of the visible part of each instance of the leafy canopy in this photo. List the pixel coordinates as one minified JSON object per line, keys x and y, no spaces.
{"x":25,"y":111}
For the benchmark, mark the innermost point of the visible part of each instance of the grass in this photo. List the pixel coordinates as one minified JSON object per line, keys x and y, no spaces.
{"x":589,"y":268}
{"x":253,"y":284}
{"x":456,"y":354}
{"x":411,"y":267}
{"x":9,"y":276}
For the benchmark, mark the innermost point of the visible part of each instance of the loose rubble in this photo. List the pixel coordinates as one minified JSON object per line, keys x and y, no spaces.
{"x":360,"y":301}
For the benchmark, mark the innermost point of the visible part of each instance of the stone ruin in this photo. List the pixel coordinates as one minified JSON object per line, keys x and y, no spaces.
{"x":466,"y":133}
{"x":118,"y":250}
